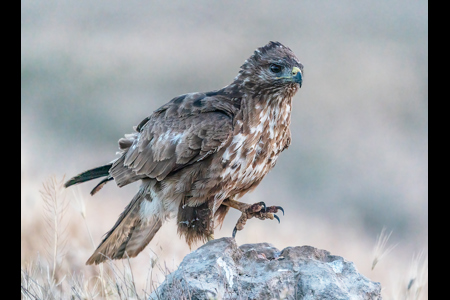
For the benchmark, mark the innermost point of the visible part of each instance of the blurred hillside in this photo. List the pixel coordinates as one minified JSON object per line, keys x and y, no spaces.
{"x":90,"y":70}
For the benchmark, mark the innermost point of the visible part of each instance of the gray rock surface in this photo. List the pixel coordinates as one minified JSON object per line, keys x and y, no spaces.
{"x":222,"y":270}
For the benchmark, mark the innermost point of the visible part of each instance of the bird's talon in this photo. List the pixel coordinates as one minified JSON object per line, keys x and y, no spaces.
{"x":280,"y":208}
{"x":276,"y":217}
{"x":258,"y":210}
{"x":234,"y":232}
{"x":264,"y":205}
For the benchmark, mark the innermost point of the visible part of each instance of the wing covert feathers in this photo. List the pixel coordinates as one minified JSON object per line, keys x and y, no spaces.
{"x":184,"y":131}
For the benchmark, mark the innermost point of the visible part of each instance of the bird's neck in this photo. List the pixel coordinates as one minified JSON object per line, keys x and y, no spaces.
{"x":269,"y":114}
{"x":261,"y":109}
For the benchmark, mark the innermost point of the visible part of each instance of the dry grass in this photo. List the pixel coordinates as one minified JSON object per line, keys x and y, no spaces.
{"x":413,"y":286}
{"x":55,"y":205}
{"x":51,"y":278}
{"x":60,"y":272}
{"x":381,"y":249}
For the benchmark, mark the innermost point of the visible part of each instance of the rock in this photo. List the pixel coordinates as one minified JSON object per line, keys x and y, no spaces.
{"x":222,"y":270}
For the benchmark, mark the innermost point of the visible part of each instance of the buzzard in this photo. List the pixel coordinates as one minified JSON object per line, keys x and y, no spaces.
{"x":199,"y":153}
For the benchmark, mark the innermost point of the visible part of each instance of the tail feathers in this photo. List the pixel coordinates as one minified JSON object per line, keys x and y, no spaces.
{"x":129,"y":236}
{"x":89,"y":175}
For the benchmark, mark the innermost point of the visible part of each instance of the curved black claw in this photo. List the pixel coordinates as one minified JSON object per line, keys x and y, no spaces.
{"x":276,"y":217}
{"x":263,"y":204}
{"x":234,"y":232}
{"x":280,"y":208}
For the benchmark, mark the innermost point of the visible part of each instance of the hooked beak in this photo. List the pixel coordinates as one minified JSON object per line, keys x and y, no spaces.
{"x":297,"y":75}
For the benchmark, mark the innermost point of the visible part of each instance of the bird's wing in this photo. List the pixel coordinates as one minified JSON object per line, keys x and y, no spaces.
{"x":186,"y":130}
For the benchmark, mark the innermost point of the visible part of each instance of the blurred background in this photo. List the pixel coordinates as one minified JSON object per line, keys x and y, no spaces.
{"x":358,"y":162}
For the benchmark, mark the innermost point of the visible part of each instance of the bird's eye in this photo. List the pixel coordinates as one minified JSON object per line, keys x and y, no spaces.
{"x":276,"y":68}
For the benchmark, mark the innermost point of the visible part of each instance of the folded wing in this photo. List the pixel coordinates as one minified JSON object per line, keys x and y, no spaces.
{"x":186,"y":130}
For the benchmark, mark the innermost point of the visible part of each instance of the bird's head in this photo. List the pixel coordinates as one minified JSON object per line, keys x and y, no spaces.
{"x":273,"y":67}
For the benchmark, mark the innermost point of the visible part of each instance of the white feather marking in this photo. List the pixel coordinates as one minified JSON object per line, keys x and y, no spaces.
{"x":263,"y":116}
{"x":271,"y":129}
{"x":238,"y":140}
{"x":151,"y":208}
{"x":165,"y":136}
{"x":156,"y":207}
{"x":176,"y":138}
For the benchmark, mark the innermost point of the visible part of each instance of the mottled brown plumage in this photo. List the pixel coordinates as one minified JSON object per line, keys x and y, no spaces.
{"x":199,"y":153}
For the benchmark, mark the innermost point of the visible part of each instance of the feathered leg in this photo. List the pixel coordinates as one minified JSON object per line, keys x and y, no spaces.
{"x":195,"y":223}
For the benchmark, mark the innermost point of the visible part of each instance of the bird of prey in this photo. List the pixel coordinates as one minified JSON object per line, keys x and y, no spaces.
{"x":198,"y":154}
